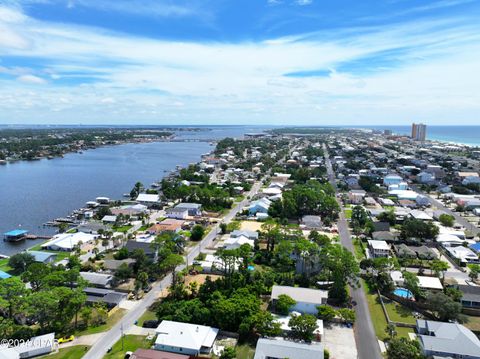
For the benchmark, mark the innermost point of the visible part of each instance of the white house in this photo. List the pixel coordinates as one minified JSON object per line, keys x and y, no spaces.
{"x":259,"y":206}
{"x":148,"y":199}
{"x":67,"y":241}
{"x":378,"y":248}
{"x":237,"y":242}
{"x":306,"y":299}
{"x":463,"y":254}
{"x":177,"y":213}
{"x":185,"y":338}
{"x":356,"y":196}
{"x":194,"y":209}
{"x":280,"y":349}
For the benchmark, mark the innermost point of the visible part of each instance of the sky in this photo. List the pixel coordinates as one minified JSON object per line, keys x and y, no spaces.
{"x":277,"y":62}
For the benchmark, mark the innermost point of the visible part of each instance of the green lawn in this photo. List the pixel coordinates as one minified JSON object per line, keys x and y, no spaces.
{"x":348,"y":213}
{"x":398,"y":312}
{"x":144,"y":227}
{"x":148,"y":315}
{"x":245,"y":351}
{"x":4,"y":265}
{"x":74,"y":352}
{"x":378,"y":318}
{"x":122,"y":229}
{"x":111,"y":321}
{"x":359,"y":252}
{"x":130,"y":343}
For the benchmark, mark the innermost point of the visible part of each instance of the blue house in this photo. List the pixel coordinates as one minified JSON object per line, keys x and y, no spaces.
{"x":392,"y":179}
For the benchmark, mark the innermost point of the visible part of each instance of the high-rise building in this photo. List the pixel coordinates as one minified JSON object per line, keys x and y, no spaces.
{"x":419,"y":131}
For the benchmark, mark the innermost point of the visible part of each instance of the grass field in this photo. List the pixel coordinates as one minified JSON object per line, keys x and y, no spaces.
{"x":359,"y":252}
{"x":111,"y":321}
{"x":130,"y":343}
{"x":74,"y":352}
{"x":245,"y":351}
{"x":148,"y":315}
{"x":473,"y":323}
{"x":378,"y":317}
{"x":348,"y":213}
{"x":122,"y":229}
{"x":4,"y":265}
{"x":398,"y":312}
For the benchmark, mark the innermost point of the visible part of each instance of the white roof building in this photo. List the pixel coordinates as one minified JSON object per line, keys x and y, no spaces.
{"x":148,"y":198}
{"x":279,"y":348}
{"x":185,"y":338}
{"x":429,"y":283}
{"x":237,"y":242}
{"x":462,"y":253}
{"x":68,"y":241}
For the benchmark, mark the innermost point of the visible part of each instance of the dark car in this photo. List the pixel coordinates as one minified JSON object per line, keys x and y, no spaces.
{"x":150,"y":323}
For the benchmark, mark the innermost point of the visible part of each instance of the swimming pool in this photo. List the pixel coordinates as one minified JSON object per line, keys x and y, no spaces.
{"x":403,"y":292}
{"x":251,"y":268}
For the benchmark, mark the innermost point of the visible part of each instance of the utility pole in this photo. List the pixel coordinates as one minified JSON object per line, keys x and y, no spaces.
{"x":121,"y":333}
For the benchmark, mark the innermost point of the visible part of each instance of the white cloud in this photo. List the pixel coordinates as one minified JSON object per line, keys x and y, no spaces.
{"x":303,"y":2}
{"x":31,"y":79}
{"x":436,"y":75}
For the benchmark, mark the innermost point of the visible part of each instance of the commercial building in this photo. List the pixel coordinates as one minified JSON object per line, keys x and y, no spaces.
{"x":419,"y":131}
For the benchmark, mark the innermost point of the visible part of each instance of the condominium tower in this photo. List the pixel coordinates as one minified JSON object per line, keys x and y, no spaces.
{"x":419,"y":131}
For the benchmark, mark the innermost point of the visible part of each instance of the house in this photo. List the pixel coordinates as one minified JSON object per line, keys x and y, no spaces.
{"x":429,"y":283}
{"x":167,"y":225}
{"x":447,"y":340}
{"x":147,"y":248}
{"x":67,"y":242}
{"x":384,"y":236}
{"x":43,"y":257}
{"x":378,"y":248}
{"x":109,"y":219}
{"x":237,"y":242}
{"x":355,"y":196}
{"x":392,"y":179}
{"x":463,"y":254}
{"x":312,"y":222}
{"x":280,"y":349}
{"x":156,"y":354}
{"x":306,"y":299}
{"x":177,"y":213}
{"x":110,"y":298}
{"x":425,"y":177}
{"x":185,"y":338}
{"x":249,"y":234}
{"x":470,"y":295}
{"x":420,"y":215}
{"x":98,"y":280}
{"x":92,"y":227}
{"x":114,"y":264}
{"x":194,"y":209}
{"x":259,"y":206}
{"x":130,"y":210}
{"x":36,"y":346}
{"x":148,"y":199}
{"x":285,"y":327}
{"x":449,"y":240}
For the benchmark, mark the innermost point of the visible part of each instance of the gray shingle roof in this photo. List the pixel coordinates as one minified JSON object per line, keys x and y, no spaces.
{"x":272,"y":348}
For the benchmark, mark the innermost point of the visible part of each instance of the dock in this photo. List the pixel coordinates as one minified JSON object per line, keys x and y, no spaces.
{"x":15,"y":235}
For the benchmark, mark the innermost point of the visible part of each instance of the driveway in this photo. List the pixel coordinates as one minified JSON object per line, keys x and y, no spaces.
{"x":340,"y":342}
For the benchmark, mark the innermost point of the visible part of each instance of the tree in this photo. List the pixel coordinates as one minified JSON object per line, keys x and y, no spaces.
{"x":303,"y":326}
{"x":223,"y":227}
{"x":86,"y":314}
{"x":326,"y":312}
{"x":444,"y":307}
{"x":142,"y":280}
{"x":284,"y":303}
{"x":359,"y":219}
{"x":402,"y":348}
{"x":12,"y":292}
{"x":415,"y":228}
{"x":122,"y":253}
{"x":228,"y":353}
{"x":35,"y":274}
{"x":391,"y":331}
{"x":474,"y":272}
{"x":123,"y":272}
{"x":170,"y":263}
{"x":388,"y":216}
{"x":411,"y":283}
{"x":20,"y":261}
{"x":348,"y":315}
{"x":197,"y":233}
{"x":447,"y":220}
{"x":438,"y":267}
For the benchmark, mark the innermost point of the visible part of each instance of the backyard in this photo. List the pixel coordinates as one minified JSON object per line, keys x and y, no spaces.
{"x":130,"y":343}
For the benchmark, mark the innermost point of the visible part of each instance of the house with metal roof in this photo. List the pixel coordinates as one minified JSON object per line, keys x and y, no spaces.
{"x":306,"y":299}
{"x":280,"y":349}
{"x":185,"y":338}
{"x":470,"y":295}
{"x":97,"y":279}
{"x":447,"y":340}
{"x":43,"y":257}
{"x":194,"y":209}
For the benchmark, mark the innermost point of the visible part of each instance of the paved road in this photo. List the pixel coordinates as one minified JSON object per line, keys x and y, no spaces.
{"x":109,"y":338}
{"x":366,"y":340}
{"x":434,"y":202}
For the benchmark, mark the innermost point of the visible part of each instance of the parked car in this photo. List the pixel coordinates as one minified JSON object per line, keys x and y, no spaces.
{"x":66,"y":339}
{"x":150,"y":323}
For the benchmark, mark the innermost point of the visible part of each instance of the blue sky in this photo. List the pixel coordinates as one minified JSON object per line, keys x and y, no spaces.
{"x":319,"y":62}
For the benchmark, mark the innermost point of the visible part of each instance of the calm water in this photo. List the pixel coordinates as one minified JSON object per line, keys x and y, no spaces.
{"x":36,"y":192}
{"x":469,"y":135}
